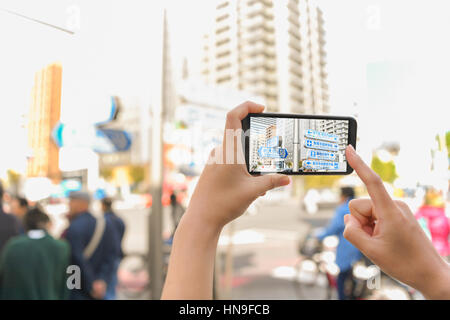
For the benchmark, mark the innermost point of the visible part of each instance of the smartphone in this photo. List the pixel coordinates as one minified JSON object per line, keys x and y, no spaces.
{"x":297,"y":144}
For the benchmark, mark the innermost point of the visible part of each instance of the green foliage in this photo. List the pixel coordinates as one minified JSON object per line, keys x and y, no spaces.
{"x":386,"y":170}
{"x":447,"y":142}
{"x":13,"y":177}
{"x":318,"y":182}
{"x":106,"y":173}
{"x":137,"y":174}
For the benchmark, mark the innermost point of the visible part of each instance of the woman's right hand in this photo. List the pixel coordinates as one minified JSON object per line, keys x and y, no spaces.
{"x":387,"y":232}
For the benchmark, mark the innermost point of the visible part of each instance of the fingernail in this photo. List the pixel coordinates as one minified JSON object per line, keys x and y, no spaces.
{"x":285,"y":180}
{"x":351,"y":150}
{"x":346,"y":217}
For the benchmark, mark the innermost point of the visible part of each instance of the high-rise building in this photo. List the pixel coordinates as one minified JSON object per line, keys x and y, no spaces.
{"x":339,"y":128}
{"x":44,"y":114}
{"x":273,"y":48}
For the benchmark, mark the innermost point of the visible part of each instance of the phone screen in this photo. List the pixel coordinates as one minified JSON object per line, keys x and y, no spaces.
{"x":297,"y":145}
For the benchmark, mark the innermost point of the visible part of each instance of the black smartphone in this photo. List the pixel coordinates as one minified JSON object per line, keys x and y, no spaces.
{"x":297,"y":144}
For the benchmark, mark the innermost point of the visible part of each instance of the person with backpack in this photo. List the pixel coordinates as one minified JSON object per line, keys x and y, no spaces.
{"x":93,"y":246}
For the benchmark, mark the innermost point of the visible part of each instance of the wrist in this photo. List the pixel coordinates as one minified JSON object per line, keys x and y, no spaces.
{"x":439,"y":287}
{"x":198,"y":227}
{"x":206,"y":214}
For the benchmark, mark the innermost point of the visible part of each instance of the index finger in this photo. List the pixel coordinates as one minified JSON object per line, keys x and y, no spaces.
{"x":235,"y":116}
{"x":373,"y":182}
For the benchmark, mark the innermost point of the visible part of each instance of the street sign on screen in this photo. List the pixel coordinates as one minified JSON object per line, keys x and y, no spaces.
{"x":314,"y":134}
{"x":321,"y":155}
{"x":323,"y":145}
{"x":273,"y":153}
{"x":320,"y":165}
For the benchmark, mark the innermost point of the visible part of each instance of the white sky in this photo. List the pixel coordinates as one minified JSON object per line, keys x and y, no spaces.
{"x":114,"y":51}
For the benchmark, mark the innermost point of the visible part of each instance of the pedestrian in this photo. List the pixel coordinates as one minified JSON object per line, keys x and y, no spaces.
{"x":383,"y":229}
{"x":33,"y":266}
{"x":9,"y":226}
{"x":93,"y":247}
{"x":119,"y":228}
{"x":19,"y":207}
{"x":437,"y":223}
{"x":346,"y":253}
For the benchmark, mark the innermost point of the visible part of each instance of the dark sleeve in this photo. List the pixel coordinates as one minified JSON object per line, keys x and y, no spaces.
{"x":109,"y":251}
{"x":74,"y":238}
{"x":2,"y":267}
{"x":121,"y":230}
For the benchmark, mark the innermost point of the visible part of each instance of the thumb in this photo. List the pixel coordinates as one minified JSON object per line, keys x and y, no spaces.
{"x":354,"y":233}
{"x":271,"y":181}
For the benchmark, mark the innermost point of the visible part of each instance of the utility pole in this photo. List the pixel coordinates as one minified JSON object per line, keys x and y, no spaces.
{"x":296,"y":145}
{"x":156,"y":264}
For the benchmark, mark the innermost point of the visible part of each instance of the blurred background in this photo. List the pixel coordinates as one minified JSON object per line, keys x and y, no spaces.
{"x":125,"y":99}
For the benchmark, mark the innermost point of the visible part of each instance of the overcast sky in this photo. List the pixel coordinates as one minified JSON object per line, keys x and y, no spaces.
{"x":114,"y":51}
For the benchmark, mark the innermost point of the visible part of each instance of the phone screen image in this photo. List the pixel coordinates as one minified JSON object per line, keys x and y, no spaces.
{"x":297,"y":145}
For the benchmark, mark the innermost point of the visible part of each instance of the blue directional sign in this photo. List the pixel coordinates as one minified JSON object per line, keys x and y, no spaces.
{"x":323,"y":145}
{"x":98,"y":139}
{"x":119,"y":140}
{"x":313,"y":134}
{"x":272,"y":142}
{"x":112,"y":112}
{"x":321,"y":155}
{"x":274,"y":153}
{"x":320,"y":165}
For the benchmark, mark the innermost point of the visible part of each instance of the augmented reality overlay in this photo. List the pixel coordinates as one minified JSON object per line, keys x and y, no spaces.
{"x":297,"y":145}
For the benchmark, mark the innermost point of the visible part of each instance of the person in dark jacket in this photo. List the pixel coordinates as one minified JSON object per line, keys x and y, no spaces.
{"x":346,"y":253}
{"x":98,"y":266}
{"x":8,"y":224}
{"x":119,"y":227}
{"x":19,"y":207}
{"x":33,"y":266}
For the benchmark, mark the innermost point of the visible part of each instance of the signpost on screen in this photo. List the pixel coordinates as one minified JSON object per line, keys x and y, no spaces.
{"x":273,"y":153}
{"x":320,"y":165}
{"x":322,"y":148}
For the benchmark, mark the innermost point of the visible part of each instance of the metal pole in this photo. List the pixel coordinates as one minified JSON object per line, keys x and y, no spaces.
{"x":296,"y":145}
{"x":156,"y":215}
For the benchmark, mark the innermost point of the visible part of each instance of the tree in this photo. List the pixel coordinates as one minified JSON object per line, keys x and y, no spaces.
{"x":106,"y":173}
{"x":447,"y":141}
{"x":320,"y":181}
{"x":137,"y":174}
{"x":386,"y":170}
{"x":13,"y":180}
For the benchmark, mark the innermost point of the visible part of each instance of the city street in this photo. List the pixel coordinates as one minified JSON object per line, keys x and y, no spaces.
{"x":264,"y":244}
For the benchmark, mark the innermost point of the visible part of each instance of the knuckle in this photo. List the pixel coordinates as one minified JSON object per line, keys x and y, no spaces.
{"x":375,"y":180}
{"x":401,"y":204}
{"x":271,"y":182}
{"x":352,"y":205}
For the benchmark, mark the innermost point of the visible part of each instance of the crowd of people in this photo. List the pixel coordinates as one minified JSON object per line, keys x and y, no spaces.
{"x":81,"y":265}
{"x":84,"y":262}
